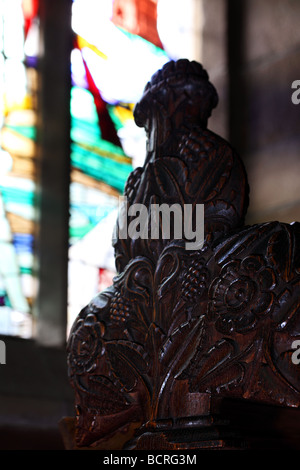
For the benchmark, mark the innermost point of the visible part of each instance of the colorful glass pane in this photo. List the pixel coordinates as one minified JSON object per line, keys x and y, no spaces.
{"x":18,"y":79}
{"x":110,"y":67}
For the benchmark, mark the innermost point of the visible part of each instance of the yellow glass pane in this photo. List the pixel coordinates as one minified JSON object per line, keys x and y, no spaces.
{"x":13,"y":142}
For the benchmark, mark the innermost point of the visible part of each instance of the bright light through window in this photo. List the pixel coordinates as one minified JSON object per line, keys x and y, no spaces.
{"x":110,"y":68}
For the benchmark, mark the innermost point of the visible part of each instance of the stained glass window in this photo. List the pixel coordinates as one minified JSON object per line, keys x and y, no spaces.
{"x":116,"y":50}
{"x":18,"y":88}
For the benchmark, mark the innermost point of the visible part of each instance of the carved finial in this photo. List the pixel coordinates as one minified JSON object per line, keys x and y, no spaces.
{"x":186,"y":163}
{"x":181,"y":84}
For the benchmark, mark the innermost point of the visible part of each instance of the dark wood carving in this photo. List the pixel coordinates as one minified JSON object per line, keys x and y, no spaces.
{"x":153,"y":357}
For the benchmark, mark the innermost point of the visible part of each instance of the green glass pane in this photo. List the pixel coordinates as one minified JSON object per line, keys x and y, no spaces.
{"x":100,"y":168}
{"x":17,"y":195}
{"x":25,"y":131}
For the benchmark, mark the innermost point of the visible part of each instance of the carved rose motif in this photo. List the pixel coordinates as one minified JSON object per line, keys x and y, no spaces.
{"x":87,"y":344}
{"x":241,"y":295}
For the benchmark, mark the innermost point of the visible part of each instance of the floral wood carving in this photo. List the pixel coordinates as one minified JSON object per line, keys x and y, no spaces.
{"x":179,"y":328}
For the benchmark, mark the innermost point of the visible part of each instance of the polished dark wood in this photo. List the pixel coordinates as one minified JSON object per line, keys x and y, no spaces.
{"x":158,"y":356}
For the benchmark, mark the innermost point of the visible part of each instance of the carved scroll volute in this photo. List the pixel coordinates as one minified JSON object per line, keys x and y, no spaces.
{"x":179,"y":328}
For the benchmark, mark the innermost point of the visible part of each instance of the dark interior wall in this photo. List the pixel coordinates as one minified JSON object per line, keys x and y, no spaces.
{"x":34,"y":396}
{"x":271,"y":120}
{"x":215,"y":60}
{"x":252,"y":48}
